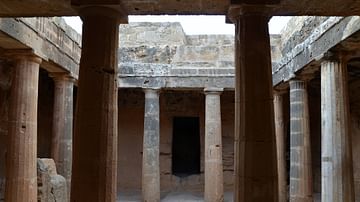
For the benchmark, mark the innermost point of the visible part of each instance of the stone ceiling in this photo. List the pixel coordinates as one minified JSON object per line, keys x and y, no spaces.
{"x":12,"y":8}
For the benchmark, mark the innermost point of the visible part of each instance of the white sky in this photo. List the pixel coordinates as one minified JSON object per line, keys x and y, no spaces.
{"x":193,"y":24}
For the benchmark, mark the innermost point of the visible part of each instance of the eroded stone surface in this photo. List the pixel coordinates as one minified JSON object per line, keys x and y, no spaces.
{"x":51,"y":186}
{"x":50,"y":38}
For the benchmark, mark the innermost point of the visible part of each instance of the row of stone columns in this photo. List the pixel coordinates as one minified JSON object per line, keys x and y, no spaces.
{"x":21,"y":176}
{"x":213,"y":146}
{"x":95,"y":138}
{"x":336,"y":153}
{"x":95,"y":135}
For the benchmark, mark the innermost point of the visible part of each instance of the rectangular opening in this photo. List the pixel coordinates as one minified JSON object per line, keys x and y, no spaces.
{"x":186,"y":146}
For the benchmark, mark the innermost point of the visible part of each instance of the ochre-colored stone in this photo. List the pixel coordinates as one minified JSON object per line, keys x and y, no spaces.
{"x":280,"y":146}
{"x":255,"y":180}
{"x":95,"y":137}
{"x":21,"y":184}
{"x":62,"y":133}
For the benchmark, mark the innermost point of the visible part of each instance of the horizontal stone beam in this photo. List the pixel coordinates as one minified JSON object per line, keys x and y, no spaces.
{"x":184,"y":82}
{"x":12,"y":8}
{"x":160,"y":70}
{"x":51,"y":39}
{"x":328,"y":35}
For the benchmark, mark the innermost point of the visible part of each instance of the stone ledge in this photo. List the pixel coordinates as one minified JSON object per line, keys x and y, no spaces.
{"x":48,"y":39}
{"x":333,"y":31}
{"x":227,"y":83}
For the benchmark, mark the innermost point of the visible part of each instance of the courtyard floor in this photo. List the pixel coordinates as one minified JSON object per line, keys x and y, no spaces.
{"x":171,"y":197}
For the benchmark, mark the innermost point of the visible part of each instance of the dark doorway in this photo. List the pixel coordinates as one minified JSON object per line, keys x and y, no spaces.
{"x":186,"y":146}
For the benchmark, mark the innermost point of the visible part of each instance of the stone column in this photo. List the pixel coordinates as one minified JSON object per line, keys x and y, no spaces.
{"x":336,"y":155}
{"x":214,"y":188}
{"x":151,"y":141}
{"x":255,"y":150}
{"x":300,"y":148}
{"x":21,"y":177}
{"x":280,"y":146}
{"x":95,"y":136}
{"x":61,"y":144}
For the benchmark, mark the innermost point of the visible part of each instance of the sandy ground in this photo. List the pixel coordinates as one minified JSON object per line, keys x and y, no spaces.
{"x":171,"y":197}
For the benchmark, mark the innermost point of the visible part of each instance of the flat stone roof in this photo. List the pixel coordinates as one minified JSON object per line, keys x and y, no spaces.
{"x":31,"y":8}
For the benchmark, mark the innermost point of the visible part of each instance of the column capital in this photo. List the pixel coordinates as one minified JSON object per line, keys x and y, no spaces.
{"x":280,"y":92}
{"x":297,"y":83}
{"x":297,"y":80}
{"x":236,"y":11}
{"x":22,"y":54}
{"x":62,"y":76}
{"x":213,"y":90}
{"x":278,"y":96}
{"x":118,"y":13}
{"x":151,"y":92}
{"x":336,"y":56}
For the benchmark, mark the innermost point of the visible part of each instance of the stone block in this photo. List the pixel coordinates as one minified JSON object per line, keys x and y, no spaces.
{"x":51,"y":186}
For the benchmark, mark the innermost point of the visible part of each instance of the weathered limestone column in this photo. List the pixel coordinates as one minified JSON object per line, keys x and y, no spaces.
{"x":255,"y":149}
{"x":214,"y":188}
{"x":95,"y":136}
{"x":336,"y":155}
{"x":151,"y":152}
{"x":21,"y":177}
{"x":280,"y":145}
{"x":61,"y":145}
{"x":300,"y":148}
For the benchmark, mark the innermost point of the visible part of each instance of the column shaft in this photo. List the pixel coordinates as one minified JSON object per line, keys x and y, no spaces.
{"x":61,"y":148}
{"x":300,"y":148}
{"x":151,"y":141}
{"x":336,"y":155}
{"x":95,"y":135}
{"x":214,"y":188}
{"x":21,"y":177}
{"x":255,"y":150}
{"x":280,"y":146}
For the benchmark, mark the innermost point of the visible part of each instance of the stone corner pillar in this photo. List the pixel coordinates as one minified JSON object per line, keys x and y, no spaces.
{"x":21,"y":176}
{"x":280,"y":145}
{"x":62,"y":131}
{"x":254,"y":108}
{"x":300,"y":147}
{"x":214,"y":188}
{"x":151,"y":147}
{"x":336,"y":155}
{"x":94,"y":169}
